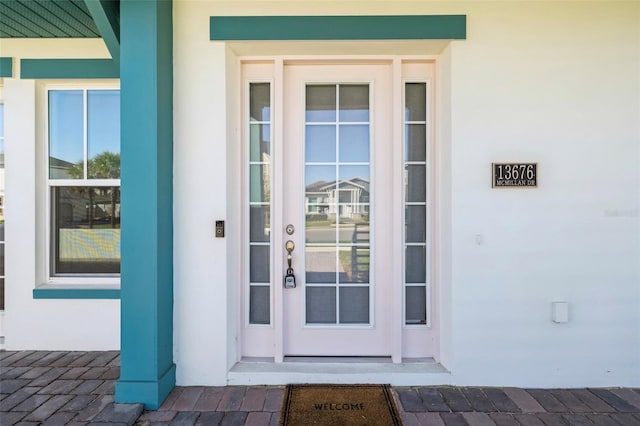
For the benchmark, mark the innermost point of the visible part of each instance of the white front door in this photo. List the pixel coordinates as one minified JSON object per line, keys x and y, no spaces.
{"x":337,"y":182}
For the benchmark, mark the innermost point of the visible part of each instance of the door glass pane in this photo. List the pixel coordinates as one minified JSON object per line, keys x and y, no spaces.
{"x":416,"y":224}
{"x":259,"y":223}
{"x":259,"y":264}
{"x":415,"y":101}
{"x":416,"y":146}
{"x":321,"y":305}
{"x":260,"y":143}
{"x":320,"y":143}
{"x":354,"y":305}
{"x":416,"y":308}
{"x":321,"y":103}
{"x":354,"y":264}
{"x":259,"y":184}
{"x":416,"y":184}
{"x":416,"y":264}
{"x":320,"y":264}
{"x":337,"y":203}
{"x":354,"y":102}
{"x":259,"y":102}
{"x":259,"y":305}
{"x":354,"y":143}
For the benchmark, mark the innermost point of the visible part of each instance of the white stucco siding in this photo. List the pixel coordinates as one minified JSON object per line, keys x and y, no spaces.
{"x":557,"y":85}
{"x":201,"y":185}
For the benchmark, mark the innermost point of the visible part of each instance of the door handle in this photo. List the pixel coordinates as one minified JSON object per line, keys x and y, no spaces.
{"x":289,"y":278}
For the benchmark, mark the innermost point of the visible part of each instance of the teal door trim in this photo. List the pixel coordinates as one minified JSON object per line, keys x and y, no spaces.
{"x":106,"y":16}
{"x":391,"y":27}
{"x":68,"y":68}
{"x":147,"y":371}
{"x":6,"y":67}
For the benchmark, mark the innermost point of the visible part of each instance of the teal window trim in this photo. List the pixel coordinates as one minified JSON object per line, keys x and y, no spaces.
{"x":6,"y":67}
{"x":388,"y":27}
{"x":68,"y":68}
{"x":50,"y":292}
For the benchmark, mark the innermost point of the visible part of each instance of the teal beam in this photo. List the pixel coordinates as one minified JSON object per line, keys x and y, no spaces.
{"x":68,"y":68}
{"x":147,"y":371}
{"x":394,"y":27}
{"x":6,"y":67}
{"x":75,"y":293}
{"x":106,"y":16}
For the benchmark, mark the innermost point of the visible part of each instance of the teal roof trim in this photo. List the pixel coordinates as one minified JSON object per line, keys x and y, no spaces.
{"x":6,"y":67}
{"x":393,"y":27}
{"x":106,"y":15}
{"x":68,"y":68}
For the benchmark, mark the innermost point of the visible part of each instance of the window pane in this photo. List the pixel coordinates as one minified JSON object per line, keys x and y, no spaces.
{"x":103,"y":132}
{"x":415,"y":184}
{"x":259,"y":184}
{"x":259,"y":102}
{"x":320,"y":264}
{"x":416,"y":146}
{"x":259,"y":264}
{"x":354,"y":305}
{"x":2,"y":259}
{"x":320,"y":143}
{"x":416,"y":222}
{"x":416,"y":305}
{"x":260,"y":143}
{"x":415,"y":101}
{"x":354,"y":102}
{"x":86,"y":229}
{"x":259,"y":223}
{"x":66,"y":146}
{"x":354,"y":143}
{"x":259,"y":305}
{"x":321,"y":103}
{"x":416,"y":264}
{"x":354,"y":264}
{"x":1,"y":294}
{"x":321,"y":305}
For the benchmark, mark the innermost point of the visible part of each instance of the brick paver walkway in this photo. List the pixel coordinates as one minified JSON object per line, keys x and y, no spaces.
{"x":76,"y":388}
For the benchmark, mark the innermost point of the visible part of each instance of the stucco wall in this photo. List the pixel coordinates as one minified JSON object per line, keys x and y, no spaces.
{"x":547,"y":82}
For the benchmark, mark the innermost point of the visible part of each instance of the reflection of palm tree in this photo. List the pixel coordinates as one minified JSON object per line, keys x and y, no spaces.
{"x":103,"y":166}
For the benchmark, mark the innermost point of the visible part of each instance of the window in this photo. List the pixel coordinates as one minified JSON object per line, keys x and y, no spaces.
{"x":415,"y":203}
{"x":84,"y":182}
{"x":259,"y":205}
{"x":1,"y":207}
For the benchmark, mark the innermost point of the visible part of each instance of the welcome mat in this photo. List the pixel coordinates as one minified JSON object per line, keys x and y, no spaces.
{"x":339,"y":405}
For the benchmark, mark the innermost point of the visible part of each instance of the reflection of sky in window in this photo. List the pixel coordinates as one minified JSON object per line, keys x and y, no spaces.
{"x":103,"y":121}
{"x":66,"y":123}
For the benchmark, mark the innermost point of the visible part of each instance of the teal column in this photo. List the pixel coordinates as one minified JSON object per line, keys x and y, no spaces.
{"x":147,"y":372}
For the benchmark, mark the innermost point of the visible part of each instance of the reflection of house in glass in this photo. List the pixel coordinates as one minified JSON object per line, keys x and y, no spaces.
{"x":348,"y":198}
{"x":59,"y":169}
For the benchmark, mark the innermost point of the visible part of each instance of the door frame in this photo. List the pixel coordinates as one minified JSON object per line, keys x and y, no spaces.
{"x":273,"y":334}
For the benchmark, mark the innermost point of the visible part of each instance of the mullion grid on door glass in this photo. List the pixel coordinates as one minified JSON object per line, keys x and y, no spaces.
{"x":416,"y":285}
{"x":346,"y":253}
{"x":259,"y":194}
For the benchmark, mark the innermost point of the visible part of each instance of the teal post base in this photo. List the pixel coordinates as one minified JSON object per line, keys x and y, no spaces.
{"x":151,"y":394}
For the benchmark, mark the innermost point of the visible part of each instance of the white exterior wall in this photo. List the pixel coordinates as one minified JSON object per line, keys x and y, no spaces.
{"x":41,"y":324}
{"x":547,"y":82}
